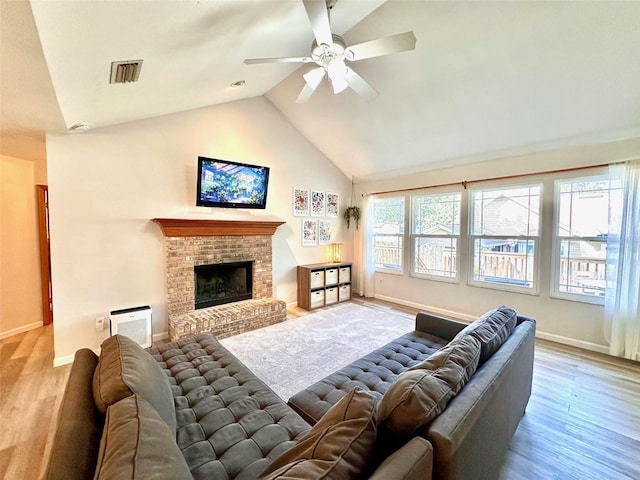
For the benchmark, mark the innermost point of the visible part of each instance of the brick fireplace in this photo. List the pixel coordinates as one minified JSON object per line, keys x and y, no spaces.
{"x":192,"y":243}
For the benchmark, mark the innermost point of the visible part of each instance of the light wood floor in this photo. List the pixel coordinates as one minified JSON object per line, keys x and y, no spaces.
{"x":582,"y":421}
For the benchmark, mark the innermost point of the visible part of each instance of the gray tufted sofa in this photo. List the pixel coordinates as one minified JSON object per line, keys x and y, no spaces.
{"x":190,"y":409}
{"x":227,"y":424}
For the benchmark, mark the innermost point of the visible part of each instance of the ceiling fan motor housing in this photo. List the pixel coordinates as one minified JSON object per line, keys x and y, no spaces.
{"x":324,"y":54}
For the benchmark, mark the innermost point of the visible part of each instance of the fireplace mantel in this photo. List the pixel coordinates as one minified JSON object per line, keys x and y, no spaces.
{"x":181,"y":227}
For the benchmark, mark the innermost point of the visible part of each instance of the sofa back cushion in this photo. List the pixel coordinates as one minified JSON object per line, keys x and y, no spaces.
{"x":124,"y":369}
{"x":136,"y":443}
{"x":339,"y":446}
{"x":491,"y":330}
{"x":421,"y":393}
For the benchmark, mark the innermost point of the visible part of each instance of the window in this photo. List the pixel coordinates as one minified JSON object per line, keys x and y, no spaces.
{"x":583,"y":206}
{"x":504,"y":237}
{"x":388,"y":233}
{"x":435,"y":234}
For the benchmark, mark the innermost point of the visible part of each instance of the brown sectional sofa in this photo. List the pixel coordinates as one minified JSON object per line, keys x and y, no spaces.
{"x":190,"y":409}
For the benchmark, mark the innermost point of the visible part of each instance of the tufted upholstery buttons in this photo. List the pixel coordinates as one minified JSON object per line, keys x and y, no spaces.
{"x":229,"y":423}
{"x":374,"y":373}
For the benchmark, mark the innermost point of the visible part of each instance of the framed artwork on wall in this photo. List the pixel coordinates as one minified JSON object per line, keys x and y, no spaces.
{"x":324,"y":232}
{"x":309,"y":232}
{"x":301,"y":205}
{"x":317,"y":204}
{"x":332,"y":204}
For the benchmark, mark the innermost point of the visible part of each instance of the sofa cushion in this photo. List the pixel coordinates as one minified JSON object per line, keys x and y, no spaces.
{"x":374,"y":373}
{"x":231,"y":425}
{"x":339,"y":446}
{"x":136,"y":443}
{"x":124,"y":368}
{"x":491,"y":330}
{"x":421,"y":393}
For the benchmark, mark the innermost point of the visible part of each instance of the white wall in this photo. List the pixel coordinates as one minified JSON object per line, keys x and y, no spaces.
{"x":574,"y":323}
{"x":106,"y":185}
{"x":20,"y":302}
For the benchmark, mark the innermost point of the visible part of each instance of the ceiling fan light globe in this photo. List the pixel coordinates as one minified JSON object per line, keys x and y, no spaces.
{"x":339,"y":85}
{"x":336,"y":69}
{"x":314,"y":77}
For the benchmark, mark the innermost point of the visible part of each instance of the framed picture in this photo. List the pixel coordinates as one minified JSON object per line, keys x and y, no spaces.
{"x":332,"y":204}
{"x":309,"y":232}
{"x":324,"y":232}
{"x":301,"y":203}
{"x":317,"y":204}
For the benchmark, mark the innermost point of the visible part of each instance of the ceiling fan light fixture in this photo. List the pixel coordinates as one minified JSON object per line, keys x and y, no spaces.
{"x":337,"y":71}
{"x":314,"y":77}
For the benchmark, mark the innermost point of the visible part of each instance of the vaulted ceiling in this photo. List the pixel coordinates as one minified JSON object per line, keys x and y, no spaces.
{"x":487,"y":79}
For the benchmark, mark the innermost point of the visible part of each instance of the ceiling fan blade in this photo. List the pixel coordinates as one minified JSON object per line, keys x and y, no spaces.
{"x":382,"y":46}
{"x":305,"y":94}
{"x":251,"y":61}
{"x":319,"y":17}
{"x":360,"y":85}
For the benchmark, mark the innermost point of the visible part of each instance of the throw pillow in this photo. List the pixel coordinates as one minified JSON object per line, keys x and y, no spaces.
{"x":137,"y":444}
{"x":339,"y":446}
{"x":492,"y":329}
{"x":421,"y":393}
{"x":124,"y":368}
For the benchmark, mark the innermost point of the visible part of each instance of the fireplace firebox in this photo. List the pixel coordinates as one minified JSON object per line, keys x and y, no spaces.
{"x":221,"y":283}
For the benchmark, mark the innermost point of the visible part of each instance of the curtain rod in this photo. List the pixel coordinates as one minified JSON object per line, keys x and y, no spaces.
{"x":464,"y":183}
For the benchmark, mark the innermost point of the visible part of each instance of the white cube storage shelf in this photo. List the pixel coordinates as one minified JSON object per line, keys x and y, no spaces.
{"x":322,"y":284}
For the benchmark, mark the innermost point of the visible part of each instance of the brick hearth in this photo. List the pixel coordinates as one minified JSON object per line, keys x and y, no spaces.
{"x":203,"y":246}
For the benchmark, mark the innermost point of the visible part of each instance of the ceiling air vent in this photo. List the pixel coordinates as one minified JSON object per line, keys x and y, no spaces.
{"x":125,"y":72}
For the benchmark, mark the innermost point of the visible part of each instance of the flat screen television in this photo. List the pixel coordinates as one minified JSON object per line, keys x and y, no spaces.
{"x":223,"y":183}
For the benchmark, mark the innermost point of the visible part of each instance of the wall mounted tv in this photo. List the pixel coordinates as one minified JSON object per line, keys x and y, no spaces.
{"x":222,"y":183}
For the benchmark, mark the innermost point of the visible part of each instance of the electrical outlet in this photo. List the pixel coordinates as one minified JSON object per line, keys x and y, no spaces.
{"x":100,"y":324}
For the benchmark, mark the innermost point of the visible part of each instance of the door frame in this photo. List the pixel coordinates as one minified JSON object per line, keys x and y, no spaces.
{"x":45,"y":253}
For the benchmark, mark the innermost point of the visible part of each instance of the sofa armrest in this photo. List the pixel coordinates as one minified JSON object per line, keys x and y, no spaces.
{"x":75,"y":446}
{"x":471,"y":437}
{"x":439,"y":326}
{"x":412,"y":461}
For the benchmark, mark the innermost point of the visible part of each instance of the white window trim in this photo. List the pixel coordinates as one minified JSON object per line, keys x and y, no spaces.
{"x":535,"y":288}
{"x":403,"y":262}
{"x":426,"y":276}
{"x":412,"y":237}
{"x":557,"y":240}
{"x":403,"y":236}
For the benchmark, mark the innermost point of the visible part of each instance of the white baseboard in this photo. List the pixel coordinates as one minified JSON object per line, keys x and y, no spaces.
{"x":429,"y":308}
{"x":572,"y":342}
{"x":156,"y":337}
{"x":59,"y":361}
{"x":16,"y":331}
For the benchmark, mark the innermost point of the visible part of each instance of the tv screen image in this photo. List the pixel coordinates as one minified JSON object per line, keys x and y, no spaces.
{"x":223,"y":183}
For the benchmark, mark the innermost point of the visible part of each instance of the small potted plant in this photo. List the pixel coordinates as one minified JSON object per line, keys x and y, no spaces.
{"x":352,"y":212}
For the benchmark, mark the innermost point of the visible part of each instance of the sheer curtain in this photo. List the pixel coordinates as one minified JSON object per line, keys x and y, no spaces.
{"x":368,"y":257}
{"x":623,"y":267}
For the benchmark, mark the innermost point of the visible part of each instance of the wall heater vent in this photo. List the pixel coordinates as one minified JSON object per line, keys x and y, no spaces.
{"x":125,"y":72}
{"x":134,"y":323}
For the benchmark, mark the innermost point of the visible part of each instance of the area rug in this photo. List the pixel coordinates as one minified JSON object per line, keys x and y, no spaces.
{"x":294,"y":354}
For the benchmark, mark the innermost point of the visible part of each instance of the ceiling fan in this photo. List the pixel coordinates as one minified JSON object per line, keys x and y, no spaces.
{"x":330,"y":53}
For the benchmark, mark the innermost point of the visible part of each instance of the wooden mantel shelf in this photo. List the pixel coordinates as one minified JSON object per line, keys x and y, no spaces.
{"x":179,"y":227}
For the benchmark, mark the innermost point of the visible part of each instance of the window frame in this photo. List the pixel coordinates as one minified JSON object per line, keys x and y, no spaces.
{"x":414,"y":236}
{"x":557,"y":240}
{"x":401,"y":236}
{"x":537,"y":240}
